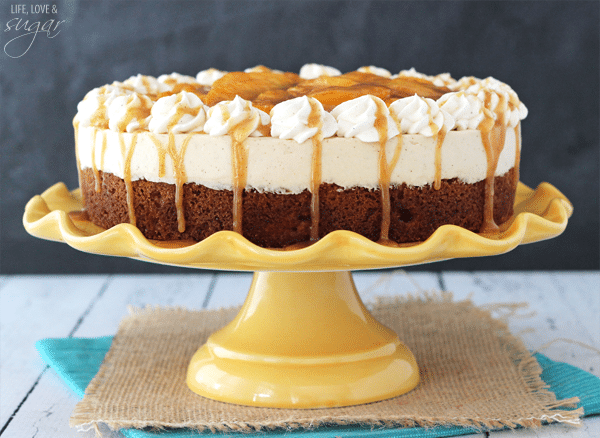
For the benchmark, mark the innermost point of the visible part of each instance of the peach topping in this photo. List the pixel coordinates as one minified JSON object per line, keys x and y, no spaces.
{"x":266,"y":88}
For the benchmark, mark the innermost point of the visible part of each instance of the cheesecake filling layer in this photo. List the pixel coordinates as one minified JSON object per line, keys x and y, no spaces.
{"x":284,"y":166}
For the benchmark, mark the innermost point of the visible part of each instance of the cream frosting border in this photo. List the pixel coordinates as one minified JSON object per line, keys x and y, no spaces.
{"x":511,"y":111}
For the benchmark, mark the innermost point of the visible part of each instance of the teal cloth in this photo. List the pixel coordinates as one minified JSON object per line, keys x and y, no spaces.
{"x":77,"y":360}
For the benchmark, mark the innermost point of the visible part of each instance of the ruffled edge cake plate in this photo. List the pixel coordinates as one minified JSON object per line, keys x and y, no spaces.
{"x":540,"y":214}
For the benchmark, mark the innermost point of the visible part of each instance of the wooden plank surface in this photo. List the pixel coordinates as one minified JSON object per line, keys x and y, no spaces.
{"x":561,"y":308}
{"x":32,"y":308}
{"x":565,"y":305}
{"x":48,"y":408}
{"x":562,"y":313}
{"x":141,"y":291}
{"x":229,"y":290}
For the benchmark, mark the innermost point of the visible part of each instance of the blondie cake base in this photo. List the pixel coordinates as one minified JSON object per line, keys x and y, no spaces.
{"x":279,"y":220}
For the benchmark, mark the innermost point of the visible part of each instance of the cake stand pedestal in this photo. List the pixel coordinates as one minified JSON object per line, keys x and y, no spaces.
{"x":303,"y":338}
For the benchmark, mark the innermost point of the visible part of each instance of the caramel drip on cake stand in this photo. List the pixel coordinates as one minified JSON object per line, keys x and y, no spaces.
{"x":78,"y":215}
{"x":127,"y":154}
{"x":493,"y":134}
{"x":314,"y":121}
{"x":385,"y":170}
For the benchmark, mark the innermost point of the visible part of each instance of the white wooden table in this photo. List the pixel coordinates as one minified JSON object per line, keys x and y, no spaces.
{"x":35,"y":403}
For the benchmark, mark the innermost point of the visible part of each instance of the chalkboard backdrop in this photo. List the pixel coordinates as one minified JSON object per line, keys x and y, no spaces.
{"x":547,"y":51}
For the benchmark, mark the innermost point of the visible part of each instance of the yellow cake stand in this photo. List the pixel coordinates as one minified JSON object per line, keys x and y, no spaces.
{"x":303,"y":338}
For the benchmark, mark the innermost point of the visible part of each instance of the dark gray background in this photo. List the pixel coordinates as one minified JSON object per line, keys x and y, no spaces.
{"x":547,"y":51}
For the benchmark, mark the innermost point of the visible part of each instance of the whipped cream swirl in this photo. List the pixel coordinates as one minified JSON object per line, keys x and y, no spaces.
{"x":91,"y":111}
{"x":176,"y":78}
{"x":356,"y":118}
{"x":375,"y":70}
{"x":178,"y":113}
{"x":441,"y":80}
{"x":467,"y":110}
{"x":313,"y":71}
{"x":208,"y":77}
{"x":129,"y":113}
{"x":261,"y":69}
{"x":418,"y":115}
{"x":498,"y":97}
{"x":463,"y":83}
{"x":225,"y":117}
{"x":290,"y":120}
{"x":146,"y":85}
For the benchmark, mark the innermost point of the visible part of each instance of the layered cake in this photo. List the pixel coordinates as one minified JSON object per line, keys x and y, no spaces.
{"x":285,"y":158}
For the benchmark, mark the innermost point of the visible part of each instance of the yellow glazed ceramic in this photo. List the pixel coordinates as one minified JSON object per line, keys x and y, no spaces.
{"x":303,"y":338}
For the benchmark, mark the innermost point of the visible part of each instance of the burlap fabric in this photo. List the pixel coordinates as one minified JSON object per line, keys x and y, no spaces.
{"x":473,"y":373}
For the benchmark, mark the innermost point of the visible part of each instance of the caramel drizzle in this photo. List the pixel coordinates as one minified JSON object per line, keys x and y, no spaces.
{"x":95,"y":133}
{"x":314,"y":121}
{"x":99,"y":119}
{"x":77,"y":160}
{"x":240,"y":176}
{"x":239,"y":162}
{"x":147,"y":83}
{"x":440,"y":136}
{"x":100,"y":122}
{"x":493,"y":135}
{"x":180,"y":112}
{"x":168,"y":81}
{"x":387,"y":211}
{"x":162,"y":154}
{"x":385,"y":169}
{"x":103,"y":150}
{"x":78,"y":215}
{"x":180,"y":175}
{"x":127,"y":154}
{"x":517,"y":153}
{"x":177,"y":159}
{"x":139,"y":113}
